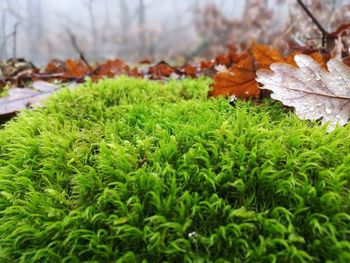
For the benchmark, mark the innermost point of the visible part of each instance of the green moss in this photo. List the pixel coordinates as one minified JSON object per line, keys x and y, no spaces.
{"x":4,"y":91}
{"x":130,"y":170}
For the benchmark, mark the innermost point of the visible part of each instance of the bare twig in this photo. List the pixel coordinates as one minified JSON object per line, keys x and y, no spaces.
{"x":94,"y":33}
{"x":76,"y":47}
{"x":3,"y":36}
{"x":325,"y":34}
{"x":141,"y":22}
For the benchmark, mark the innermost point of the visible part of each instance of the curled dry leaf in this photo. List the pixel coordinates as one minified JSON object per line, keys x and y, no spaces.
{"x":313,"y":91}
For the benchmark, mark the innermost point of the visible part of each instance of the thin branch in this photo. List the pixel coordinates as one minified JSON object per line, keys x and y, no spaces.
{"x":76,"y":47}
{"x":94,"y":32}
{"x":325,"y":34}
{"x":141,"y":24}
{"x":3,"y":53}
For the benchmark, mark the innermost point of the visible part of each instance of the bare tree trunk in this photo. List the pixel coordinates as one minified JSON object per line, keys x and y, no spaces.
{"x":3,"y":54}
{"x":176,"y":13}
{"x":14,"y":50}
{"x":124,"y":19}
{"x":142,"y":33}
{"x":34,"y":28}
{"x":107,"y":16}
{"x":246,"y":8}
{"x":9,"y":13}
{"x":196,"y":4}
{"x":94,"y":33}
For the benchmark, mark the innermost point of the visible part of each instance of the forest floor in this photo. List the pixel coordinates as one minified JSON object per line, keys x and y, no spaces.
{"x":130,"y":170}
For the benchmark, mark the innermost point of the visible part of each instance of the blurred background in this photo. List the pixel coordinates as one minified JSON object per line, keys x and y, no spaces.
{"x":173,"y":30}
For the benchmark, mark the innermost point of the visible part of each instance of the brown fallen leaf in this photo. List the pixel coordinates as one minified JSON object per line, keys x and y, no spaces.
{"x":15,"y":66}
{"x":189,"y":71}
{"x":161,"y":70}
{"x":112,"y":68}
{"x":320,"y":58}
{"x":313,"y":91}
{"x":75,"y":68}
{"x":55,"y":66}
{"x":265,"y":56}
{"x":239,"y":81}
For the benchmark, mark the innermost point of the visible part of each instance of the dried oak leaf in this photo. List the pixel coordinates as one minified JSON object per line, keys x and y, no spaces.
{"x":113,"y":68}
{"x":320,"y":58}
{"x":313,"y":91}
{"x":69,"y":69}
{"x":161,"y":70}
{"x":55,"y":66}
{"x":75,"y":68}
{"x":206,"y":64}
{"x":229,"y":58}
{"x":189,"y":71}
{"x":145,"y":61}
{"x":239,"y":81}
{"x":207,"y":68}
{"x":265,"y":56}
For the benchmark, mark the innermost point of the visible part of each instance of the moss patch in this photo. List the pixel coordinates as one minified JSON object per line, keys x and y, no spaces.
{"x":130,"y":170}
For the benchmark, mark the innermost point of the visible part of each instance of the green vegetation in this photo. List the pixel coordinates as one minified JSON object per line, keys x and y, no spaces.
{"x":136,"y":171}
{"x":4,"y":91}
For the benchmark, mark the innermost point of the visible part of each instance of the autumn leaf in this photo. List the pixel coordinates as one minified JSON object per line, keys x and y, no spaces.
{"x":15,"y":66}
{"x":320,"y":58}
{"x":223,"y":59}
{"x":207,"y":68}
{"x":161,"y":70}
{"x":145,"y":61}
{"x":75,"y":68}
{"x":55,"y":66}
{"x":189,"y":71}
{"x":265,"y":56}
{"x":239,"y":81}
{"x":340,"y":30}
{"x":69,"y":69}
{"x":313,"y":91}
{"x":113,"y":68}
{"x":205,"y":64}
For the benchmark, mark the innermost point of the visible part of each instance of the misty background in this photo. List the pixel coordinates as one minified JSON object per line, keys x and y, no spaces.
{"x":40,"y":30}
